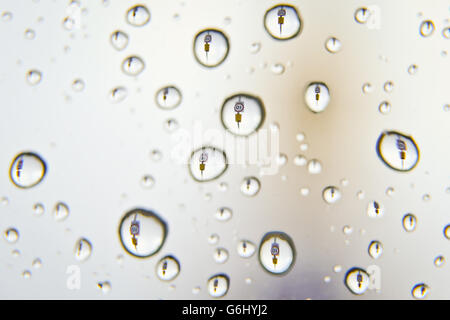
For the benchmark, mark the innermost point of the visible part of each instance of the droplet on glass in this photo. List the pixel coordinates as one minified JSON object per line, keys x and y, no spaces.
{"x":388,"y":86}
{"x":255,"y":47}
{"x":420,"y":291}
{"x":333,"y":45}
{"x":168,"y":268}
{"x":207,"y":163}
{"x":218,"y":285}
{"x":168,"y":97}
{"x":426,"y":28}
{"x":314,"y":166}
{"x":27,"y":170}
{"x":104,"y":286}
{"x":37,"y":263}
{"x":213,"y":238}
{"x":29,"y":34}
{"x":61,"y":211}
{"x":119,"y":40}
{"x":362,"y":15}
{"x":34,"y":77}
{"x":118,"y":94}
{"x":317,"y":97}
{"x":367,"y":88}
{"x":375,"y":210}
{"x":224,"y":214}
{"x":357,"y":281}
{"x":11,"y":235}
{"x":246,"y":248}
{"x":412,"y":69}
{"x":221,"y":255}
{"x":282,"y":22}
{"x":447,"y":231}
{"x":277,"y":68}
{"x":147,"y":181}
{"x":211,"y":47}
{"x":277,"y":252}
{"x":300,"y":160}
{"x":397,"y":151}
{"x":375,"y":249}
{"x":38,"y":209}
{"x":250,"y":186}
{"x":78,"y":85}
{"x":409,"y":222}
{"x":26,"y":274}
{"x":331,"y":194}
{"x":439,"y":261}
{"x":133,"y":66}
{"x":83,"y":249}
{"x":384,"y":107}
{"x":138,"y":16}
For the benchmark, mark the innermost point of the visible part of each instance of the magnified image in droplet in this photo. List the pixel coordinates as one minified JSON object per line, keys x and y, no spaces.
{"x":277,"y":252}
{"x":119,"y":40}
{"x":118,"y":94}
{"x":60,"y":211}
{"x":357,"y":281}
{"x":282,"y":22}
{"x":218,"y":285}
{"x":409,"y":222}
{"x":83,"y":249}
{"x":142,"y":232}
{"x":362,"y":15}
{"x":242,"y":114}
{"x":439,"y":261}
{"x":211,"y":47}
{"x":33,"y":77}
{"x":168,"y":268}
{"x":27,"y":170}
{"x":11,"y":235}
{"x":168,"y":97}
{"x":317,"y":97}
{"x":138,"y":16}
{"x":420,"y":291}
{"x":375,"y":249}
{"x":133,"y":66}
{"x":246,"y":248}
{"x":333,"y":45}
{"x":397,"y":151}
{"x":224,"y":214}
{"x":426,"y":28}
{"x":375,"y":210}
{"x":207,"y":163}
{"x":331,"y":194}
{"x":221,"y":255}
{"x":250,"y":186}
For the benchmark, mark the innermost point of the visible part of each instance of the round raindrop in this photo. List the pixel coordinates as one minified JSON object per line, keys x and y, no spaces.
{"x":119,"y":40}
{"x":142,"y":232}
{"x":409,"y":222}
{"x":331,"y":194}
{"x":246,"y":248}
{"x":218,"y":285}
{"x":147,"y":181}
{"x":138,"y":16}
{"x":439,"y":261}
{"x":317,"y":97}
{"x":38,"y":209}
{"x":426,"y":28}
{"x":362,"y":15}
{"x":300,"y":160}
{"x":78,"y":85}
{"x":221,"y":255}
{"x":388,"y":86}
{"x":27,"y":170}
{"x":333,"y":45}
{"x":250,"y":186}
{"x":397,"y":151}
{"x":375,"y":210}
{"x":133,"y":66}
{"x":375,"y":249}
{"x":168,"y":97}
{"x":168,"y":268}
{"x":83,"y":249}
{"x":224,"y":214}
{"x":367,"y":88}
{"x":37,"y":263}
{"x":242,"y":114}
{"x":211,"y":47}
{"x":357,"y":281}
{"x":277,"y":253}
{"x":207,"y":163}
{"x":104,"y":286}
{"x":412,"y":69}
{"x":314,"y":166}
{"x":420,"y":291}
{"x":118,"y":94}
{"x":384,"y":107}
{"x":60,"y":211}
{"x":11,"y":235}
{"x":282,"y":22}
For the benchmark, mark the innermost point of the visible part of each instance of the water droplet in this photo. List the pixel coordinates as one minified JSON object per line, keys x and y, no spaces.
{"x":384,"y":107}
{"x":6,"y":16}
{"x":390,"y":191}
{"x":375,"y":210}
{"x":447,"y":231}
{"x":409,"y":222}
{"x":213,"y":238}
{"x":277,"y":252}
{"x":388,"y":86}
{"x":337,"y":268}
{"x":347,"y":230}
{"x":446,"y":32}
{"x":223,"y":186}
{"x":83,"y":249}
{"x":196,"y":290}
{"x":138,"y":16}
{"x":333,"y":45}
{"x":246,"y":248}
{"x":78,"y":85}
{"x":282,"y":159}
{"x":397,"y":151}
{"x":104,"y":286}
{"x":282,"y":22}
{"x":300,"y":160}
{"x":220,"y":255}
{"x":29,"y":34}
{"x":439,"y":261}
{"x":147,"y":181}
{"x":27,"y":170}
{"x":255,"y":47}
{"x":218,"y":285}
{"x":15,"y":253}
{"x":118,"y":94}
{"x":11,"y":235}
{"x":37,"y":263}
{"x":248,"y":280}
{"x":367,"y":88}
{"x":61,"y":211}
{"x":304,"y":146}
{"x":210,"y":47}
{"x":224,"y":214}
{"x":142,"y":232}
{"x":426,"y":28}
{"x":168,"y":268}
{"x":446,"y":107}
{"x":168,"y":97}
{"x":4,"y":201}
{"x":357,"y":281}
{"x":314,"y":166}
{"x":300,"y":136}
{"x":242,"y":114}
{"x":331,"y":194}
{"x":68,"y":23}
{"x":420,"y":291}
{"x":327,"y":279}
{"x":250,"y":186}
{"x":133,"y":66}
{"x":360,"y":195}
{"x":26,"y":274}
{"x":412,"y":69}
{"x":317,"y":97}
{"x":304,"y":191}
{"x":362,"y":15}
{"x":207,"y":163}
{"x":119,"y":40}
{"x":34,"y":77}
{"x":375,"y":249}
{"x":277,"y":68}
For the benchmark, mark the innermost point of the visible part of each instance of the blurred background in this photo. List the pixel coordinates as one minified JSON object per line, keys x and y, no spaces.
{"x":83,"y":98}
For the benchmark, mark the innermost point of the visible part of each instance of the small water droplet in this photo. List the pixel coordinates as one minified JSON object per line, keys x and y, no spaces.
{"x":104,"y":286}
{"x":277,"y":252}
{"x":168,"y":268}
{"x":61,"y":211}
{"x":78,"y":85}
{"x":277,"y":68}
{"x":439,"y":261}
{"x":304,"y":191}
{"x":211,"y":47}
{"x":224,"y":214}
{"x":68,"y":23}
{"x":138,"y":16}
{"x":6,"y":16}
{"x":375,"y":210}
{"x":317,"y":97}
{"x":11,"y":235}
{"x":333,"y":45}
{"x":426,"y":28}
{"x":34,"y":77}
{"x":375,"y":249}
{"x":26,"y":274}
{"x":388,"y":86}
{"x":300,"y":160}
{"x":367,"y":88}
{"x":282,"y":159}
{"x":4,"y":201}
{"x":119,"y":40}
{"x":420,"y":291}
{"x":218,"y":285}
{"x":246,"y":248}
{"x":37,"y":263}
{"x":133,"y":66}
{"x":147,"y":181}
{"x":384,"y":107}
{"x":250,"y":186}
{"x":397,"y":151}
{"x":29,"y":34}
{"x":426,"y":197}
{"x":412,"y":69}
{"x":357,"y":281}
{"x":314,"y":166}
{"x":347,"y":230}
{"x":207,"y":163}
{"x":220,"y":255}
{"x":362,"y":15}
{"x":255,"y":47}
{"x":446,"y":32}
{"x":27,"y":170}
{"x":168,"y":97}
{"x":331,"y":194}
{"x":300,"y":136}
{"x":15,"y":253}
{"x":83,"y":249}
{"x":337,"y":268}
{"x":409,"y":222}
{"x":390,"y":191}
{"x":223,"y":186}
{"x":118,"y":94}
{"x":304,"y":147}
{"x":282,"y":22}
{"x":447,"y":231}
{"x":213,"y":238}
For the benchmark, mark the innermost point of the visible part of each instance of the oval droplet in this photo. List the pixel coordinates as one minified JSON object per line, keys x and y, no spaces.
{"x":83,"y":249}
{"x":168,"y":97}
{"x":409,"y":222}
{"x":412,"y":69}
{"x":147,"y":181}
{"x":384,"y":107}
{"x":277,"y":252}
{"x":375,"y":249}
{"x":104,"y":286}
{"x":282,"y":22}
{"x":375,"y":210}
{"x":331,"y":194}
{"x":426,"y":28}
{"x":27,"y":170}
{"x":333,"y":45}
{"x":133,"y":66}
{"x":207,"y":163}
{"x":357,"y":281}
{"x":246,"y":248}
{"x":211,"y":47}
{"x":142,"y":232}
{"x":118,"y":94}
{"x":11,"y":235}
{"x":388,"y":86}
{"x":168,"y":268}
{"x":224,"y":214}
{"x":362,"y":15}
{"x":38,"y":209}
{"x":78,"y":85}
{"x":61,"y":211}
{"x":242,"y":114}
{"x":221,"y":255}
{"x":119,"y":40}
{"x":439,"y":261}
{"x":314,"y":166}
{"x":420,"y":291}
{"x":138,"y":16}
{"x":317,"y":97}
{"x":250,"y":186}
{"x":397,"y":151}
{"x":218,"y":285}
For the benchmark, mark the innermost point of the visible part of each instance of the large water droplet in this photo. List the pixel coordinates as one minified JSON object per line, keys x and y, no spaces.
{"x":246,"y":248}
{"x":375,"y":210}
{"x":409,"y":222}
{"x":331,"y":194}
{"x":27,"y":170}
{"x":397,"y":151}
{"x":138,"y":16}
{"x":218,"y":285}
{"x":11,"y":235}
{"x":211,"y":47}
{"x":333,"y":45}
{"x":168,"y":268}
{"x":420,"y":291}
{"x":317,"y":97}
{"x":282,"y":22}
{"x":384,"y":107}
{"x":168,"y":97}
{"x":142,"y":232}
{"x":250,"y":186}
{"x":277,"y":252}
{"x":119,"y":40}
{"x":426,"y":28}
{"x":224,"y":214}
{"x":207,"y":163}
{"x":375,"y":249}
{"x":133,"y":66}
{"x":221,"y":255}
{"x":362,"y":15}
{"x":83,"y":249}
{"x":61,"y":211}
{"x":357,"y":281}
